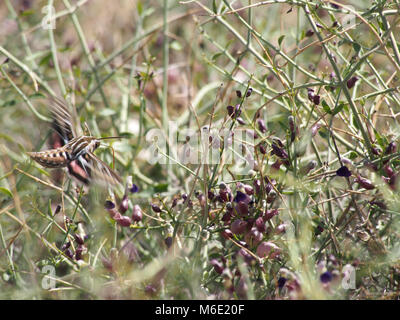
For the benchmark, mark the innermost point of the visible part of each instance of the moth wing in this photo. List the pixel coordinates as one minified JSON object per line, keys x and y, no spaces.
{"x":101,"y":172}
{"x":64,"y":123}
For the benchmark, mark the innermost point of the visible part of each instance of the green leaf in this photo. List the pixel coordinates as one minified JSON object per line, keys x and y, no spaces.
{"x":338,"y":108}
{"x":356,"y":47}
{"x":326,"y":107}
{"x":162,"y":187}
{"x":281,"y":39}
{"x":6,"y":192}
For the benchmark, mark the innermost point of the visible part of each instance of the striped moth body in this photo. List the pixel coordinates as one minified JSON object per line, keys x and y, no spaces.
{"x":74,"y":151}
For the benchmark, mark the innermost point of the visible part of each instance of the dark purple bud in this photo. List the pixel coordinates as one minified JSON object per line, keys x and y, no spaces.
{"x":230,"y":110}
{"x":326,"y":277}
{"x":109,"y":205}
{"x":365,"y":183}
{"x":174,"y":203}
{"x":253,"y":237}
{"x":260,"y":224}
{"x":277,"y":164}
{"x":247,"y":257}
{"x":58,"y":208}
{"x":279,"y":151}
{"x":137,"y":214}
{"x":388,"y":170}
{"x":334,"y":6}
{"x":268,"y":249}
{"x":134,"y":188}
{"x":281,"y":228}
{"x":168,"y":242}
{"x":310,"y":93}
{"x":238,"y":226}
{"x":262,"y":148}
{"x":155,"y":208}
{"x":316,"y":99}
{"x":237,"y":110}
{"x":184,"y":196}
{"x":69,"y":253}
{"x":227,"y":234}
{"x":309,"y":33}
{"x":343,"y":172}
{"x":319,"y":25}
{"x":261,"y":125}
{"x":242,"y":208}
{"x":351,"y":82}
{"x":248,"y":189}
{"x":281,"y":282}
{"x":271,"y":196}
{"x":391,"y":148}
{"x":79,"y":251}
{"x":238,"y":94}
{"x":249,"y":92}
{"x":241,"y":121}
{"x":240,"y":196}
{"x":65,"y":246}
{"x":210,"y":195}
{"x":257,"y":186}
{"x":124,"y":221}
{"x":269,"y":214}
{"x":124,"y":205}
{"x":78,"y":238}
{"x":218,"y":266}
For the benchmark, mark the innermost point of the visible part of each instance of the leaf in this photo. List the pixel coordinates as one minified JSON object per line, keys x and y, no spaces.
{"x":6,"y":192}
{"x":338,"y":108}
{"x":281,"y":39}
{"x":356,"y":47}
{"x":326,"y":107}
{"x":161,"y":187}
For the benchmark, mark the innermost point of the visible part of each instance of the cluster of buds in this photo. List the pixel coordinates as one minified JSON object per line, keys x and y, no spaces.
{"x":314,"y":98}
{"x":118,"y":214}
{"x":78,"y":245}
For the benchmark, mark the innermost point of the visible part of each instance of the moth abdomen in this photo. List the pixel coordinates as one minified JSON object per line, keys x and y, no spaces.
{"x":55,"y":158}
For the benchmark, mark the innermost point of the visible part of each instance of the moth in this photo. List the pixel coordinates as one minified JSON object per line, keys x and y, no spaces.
{"x":73,"y":149}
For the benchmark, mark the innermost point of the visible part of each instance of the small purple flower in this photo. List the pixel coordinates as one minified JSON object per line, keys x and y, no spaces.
{"x":238,"y":94}
{"x":249,"y":92}
{"x":134,"y":188}
{"x":109,"y":205}
{"x":240,"y":196}
{"x":351,"y":82}
{"x":326,"y":277}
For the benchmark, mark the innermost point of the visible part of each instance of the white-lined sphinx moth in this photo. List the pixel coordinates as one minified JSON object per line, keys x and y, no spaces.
{"x":73,"y":150}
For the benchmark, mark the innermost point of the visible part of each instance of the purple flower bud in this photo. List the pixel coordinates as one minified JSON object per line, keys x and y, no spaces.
{"x":261,"y":125}
{"x":238,"y":226}
{"x":137,"y":214}
{"x":343,"y":172}
{"x":238,"y":94}
{"x":279,"y":151}
{"x":365,"y":183}
{"x":237,"y":110}
{"x":281,"y":228}
{"x":241,"y":121}
{"x":326,"y":277}
{"x":58,"y":208}
{"x":268,"y":249}
{"x":316,"y":99}
{"x":351,"y":82}
{"x":109,"y":205}
{"x":65,"y":246}
{"x":391,"y":148}
{"x":69,"y":253}
{"x":155,"y":208}
{"x":78,"y":238}
{"x":79,"y":251}
{"x":269,"y":214}
{"x":249,"y":92}
{"x":247,"y":257}
{"x":230,"y":110}
{"x":174,"y":203}
{"x":227,"y":234}
{"x":388,"y":170}
{"x":309,"y":33}
{"x":248,"y":189}
{"x":277,"y":164}
{"x":242,"y":208}
{"x":314,"y":129}
{"x":124,"y":205}
{"x":253,"y":237}
{"x":262,"y":148}
{"x":134,"y":188}
{"x":281,"y":282}
{"x":241,"y":197}
{"x":124,"y":221}
{"x":310,"y":93}
{"x":218,"y":266}
{"x":168,"y":242}
{"x":260,"y":224}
